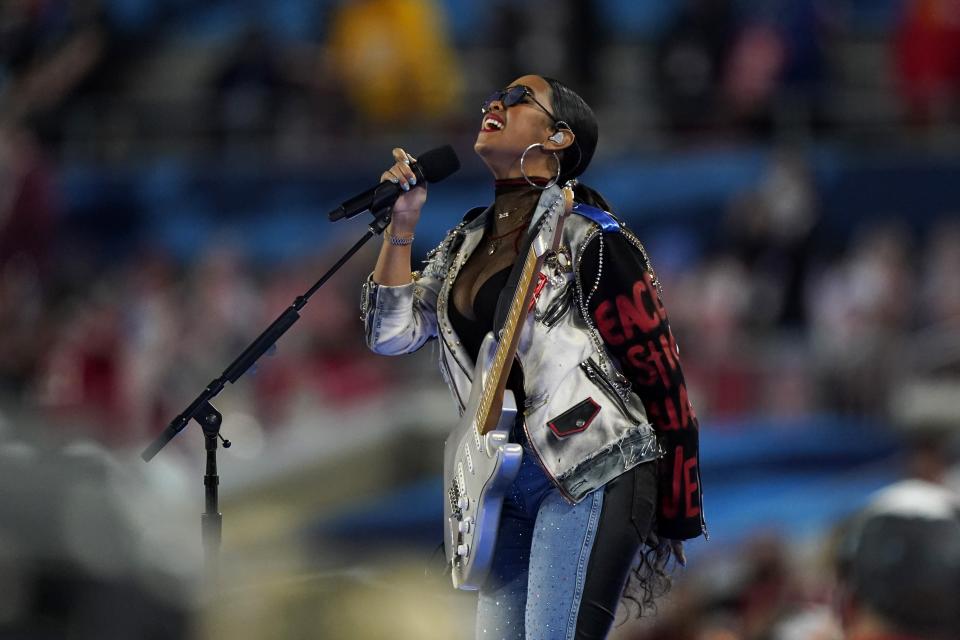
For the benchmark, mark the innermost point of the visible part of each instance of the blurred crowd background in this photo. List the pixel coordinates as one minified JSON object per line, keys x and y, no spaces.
{"x":165,"y":171}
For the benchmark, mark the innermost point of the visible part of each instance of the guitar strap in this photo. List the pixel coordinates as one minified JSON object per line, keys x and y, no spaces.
{"x":506,"y":295}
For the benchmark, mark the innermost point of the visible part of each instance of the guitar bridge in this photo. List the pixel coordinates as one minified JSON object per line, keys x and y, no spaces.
{"x":453,"y":494}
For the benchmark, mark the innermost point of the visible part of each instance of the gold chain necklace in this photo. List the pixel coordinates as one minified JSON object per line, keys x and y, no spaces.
{"x":494,"y":242}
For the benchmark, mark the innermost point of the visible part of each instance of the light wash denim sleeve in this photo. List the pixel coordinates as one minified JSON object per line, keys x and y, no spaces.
{"x":403,"y":318}
{"x":400,"y":319}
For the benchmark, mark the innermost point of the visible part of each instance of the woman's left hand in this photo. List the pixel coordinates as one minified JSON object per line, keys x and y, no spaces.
{"x":676,"y":548}
{"x":668,"y":547}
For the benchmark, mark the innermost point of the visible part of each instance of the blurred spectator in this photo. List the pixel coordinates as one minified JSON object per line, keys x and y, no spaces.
{"x":768,"y":588}
{"x":561,"y":38}
{"x":777,"y":69}
{"x":860,"y":312}
{"x":751,"y":593}
{"x":732,"y":308}
{"x":584,"y":38}
{"x":28,"y":211}
{"x":28,"y":204}
{"x":322,"y":361}
{"x":807,"y":29}
{"x":899,"y":566}
{"x":930,"y":454}
{"x":752,"y":77}
{"x":770,"y":231}
{"x":928,"y":60}
{"x":82,"y":382}
{"x":394,"y":61}
{"x":222,"y":305}
{"x":715,"y":320}
{"x":691,"y":58}
{"x":152,"y":331}
{"x":940,"y":288}
{"x":46,"y":50}
{"x":249,"y":89}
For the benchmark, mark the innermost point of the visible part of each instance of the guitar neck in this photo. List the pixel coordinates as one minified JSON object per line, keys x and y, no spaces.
{"x":491,"y":402}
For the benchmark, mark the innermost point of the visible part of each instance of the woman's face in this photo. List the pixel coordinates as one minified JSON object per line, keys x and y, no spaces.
{"x":505,"y":132}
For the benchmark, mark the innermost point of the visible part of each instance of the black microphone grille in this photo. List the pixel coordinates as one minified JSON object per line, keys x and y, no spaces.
{"x":437,"y":164}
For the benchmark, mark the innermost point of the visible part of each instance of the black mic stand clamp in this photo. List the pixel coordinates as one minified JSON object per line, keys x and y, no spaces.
{"x":209,"y":419}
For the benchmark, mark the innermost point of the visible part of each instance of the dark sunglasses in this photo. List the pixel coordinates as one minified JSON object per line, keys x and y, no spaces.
{"x":514,"y":95}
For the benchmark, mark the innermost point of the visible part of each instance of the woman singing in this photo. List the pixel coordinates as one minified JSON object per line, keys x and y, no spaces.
{"x":609,"y":438}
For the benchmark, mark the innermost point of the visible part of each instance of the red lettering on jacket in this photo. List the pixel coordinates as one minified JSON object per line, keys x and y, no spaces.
{"x":684,"y":486}
{"x":658,"y":358}
{"x":647,"y":360}
{"x":691,"y":485}
{"x":607,"y":323}
{"x":668,"y":346}
{"x":670,"y":506}
{"x":633,"y":313}
{"x":674,"y":422}
{"x":646,"y":374}
{"x":641,"y":311}
{"x":672,"y":412}
{"x":687,"y":406}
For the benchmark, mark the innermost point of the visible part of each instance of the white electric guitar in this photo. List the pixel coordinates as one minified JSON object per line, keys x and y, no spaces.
{"x":479,"y":461}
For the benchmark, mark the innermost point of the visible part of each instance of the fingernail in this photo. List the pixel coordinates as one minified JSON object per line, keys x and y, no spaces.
{"x":405,"y":186}
{"x":413,"y":180}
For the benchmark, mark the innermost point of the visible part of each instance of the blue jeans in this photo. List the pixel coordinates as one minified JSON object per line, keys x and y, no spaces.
{"x":544,"y":553}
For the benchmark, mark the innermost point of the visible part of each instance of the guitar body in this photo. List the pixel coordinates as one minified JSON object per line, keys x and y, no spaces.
{"x":478,"y":469}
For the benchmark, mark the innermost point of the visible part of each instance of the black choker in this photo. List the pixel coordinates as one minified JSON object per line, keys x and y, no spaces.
{"x":517,"y":186}
{"x":521,"y":182}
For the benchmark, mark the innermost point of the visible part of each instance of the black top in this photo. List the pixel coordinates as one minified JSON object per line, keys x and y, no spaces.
{"x":472,"y":332}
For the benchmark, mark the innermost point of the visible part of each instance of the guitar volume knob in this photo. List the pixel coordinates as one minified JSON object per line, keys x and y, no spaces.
{"x":463,"y":503}
{"x":463,"y":550}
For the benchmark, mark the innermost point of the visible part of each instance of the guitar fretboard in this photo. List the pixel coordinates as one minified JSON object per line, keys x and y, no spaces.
{"x":507,"y":346}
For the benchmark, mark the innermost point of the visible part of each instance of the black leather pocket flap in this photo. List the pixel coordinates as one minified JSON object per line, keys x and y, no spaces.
{"x":575,"y":419}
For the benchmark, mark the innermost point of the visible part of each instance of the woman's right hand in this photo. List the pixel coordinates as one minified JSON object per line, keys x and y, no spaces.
{"x":406,"y":210}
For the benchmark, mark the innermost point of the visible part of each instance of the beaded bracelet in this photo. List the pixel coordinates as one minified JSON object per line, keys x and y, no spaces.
{"x":398,"y":242}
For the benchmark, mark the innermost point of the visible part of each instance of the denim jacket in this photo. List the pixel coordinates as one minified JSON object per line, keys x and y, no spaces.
{"x":584,"y":424}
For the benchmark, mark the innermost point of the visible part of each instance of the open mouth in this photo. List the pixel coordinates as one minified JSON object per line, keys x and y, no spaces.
{"x":492,"y":123}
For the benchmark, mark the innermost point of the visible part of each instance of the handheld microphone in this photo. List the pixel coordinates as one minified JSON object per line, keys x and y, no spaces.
{"x":432,"y":166}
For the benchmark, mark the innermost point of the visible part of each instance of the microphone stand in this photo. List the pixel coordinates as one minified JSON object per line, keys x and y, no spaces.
{"x":209,"y":419}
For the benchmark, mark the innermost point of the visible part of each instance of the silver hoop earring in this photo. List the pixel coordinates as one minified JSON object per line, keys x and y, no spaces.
{"x":555,"y":179}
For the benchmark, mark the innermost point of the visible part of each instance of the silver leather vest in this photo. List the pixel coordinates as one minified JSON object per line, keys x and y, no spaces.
{"x":581,"y":417}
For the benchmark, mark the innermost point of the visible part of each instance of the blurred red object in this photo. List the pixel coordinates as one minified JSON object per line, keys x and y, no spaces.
{"x":928,"y":58}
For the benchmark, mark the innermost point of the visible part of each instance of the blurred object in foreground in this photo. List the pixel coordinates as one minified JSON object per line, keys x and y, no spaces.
{"x":387,"y":597}
{"x":899,"y":565}
{"x":89,"y":550}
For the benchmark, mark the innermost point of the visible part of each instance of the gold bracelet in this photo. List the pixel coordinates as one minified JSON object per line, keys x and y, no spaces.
{"x":397,"y":241}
